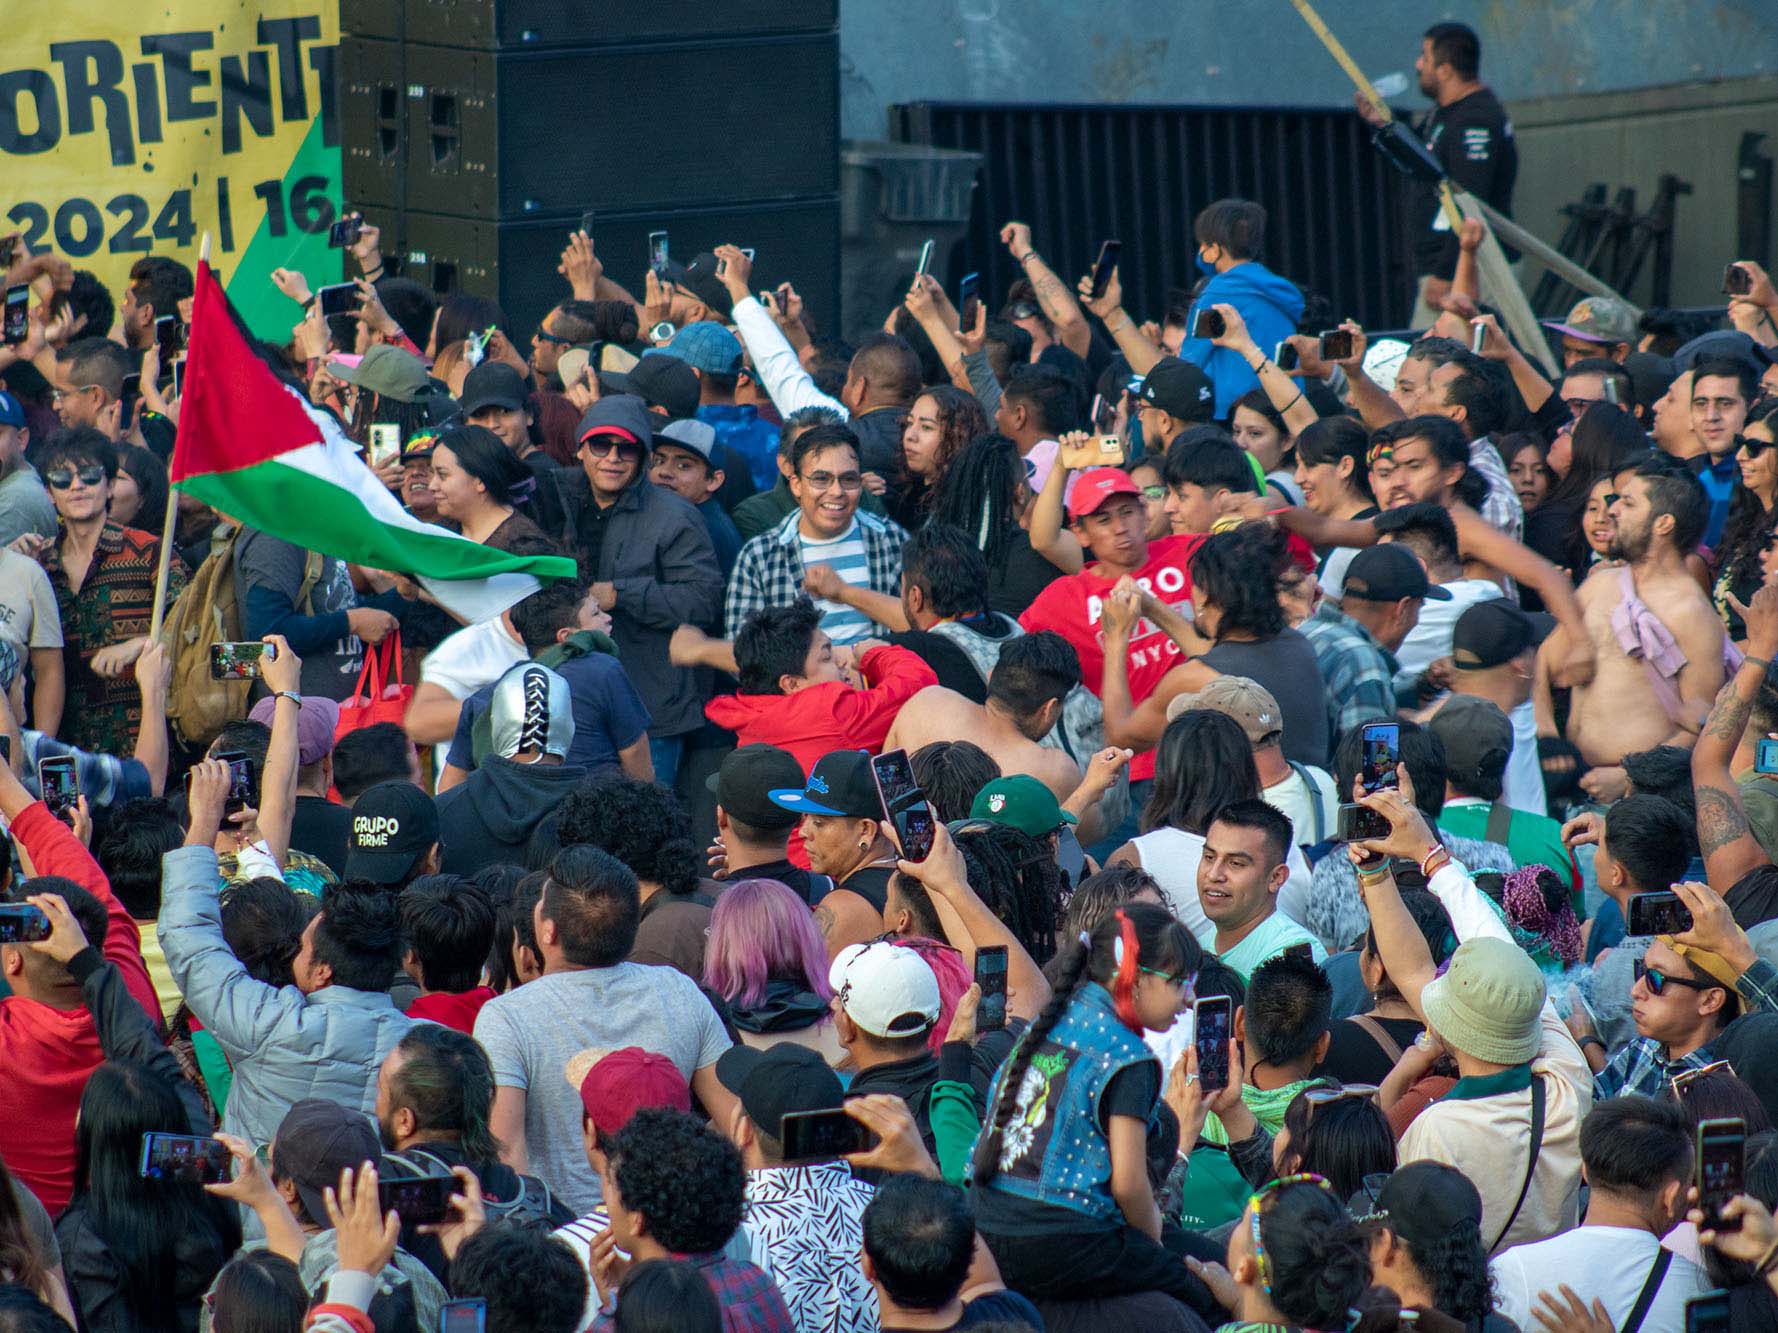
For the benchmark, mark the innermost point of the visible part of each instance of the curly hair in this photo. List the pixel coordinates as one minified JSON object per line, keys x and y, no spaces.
{"x":1456,"y":1267}
{"x":642,"y":824}
{"x":529,"y":1279}
{"x":682,"y":1177}
{"x":1098,"y":896}
{"x":979,"y":494}
{"x":1316,"y":1254}
{"x":960,"y":420}
{"x":1238,"y":573}
{"x":1019,"y":880}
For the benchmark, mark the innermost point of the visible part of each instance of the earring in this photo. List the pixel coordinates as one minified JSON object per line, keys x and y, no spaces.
{"x":863,"y":846}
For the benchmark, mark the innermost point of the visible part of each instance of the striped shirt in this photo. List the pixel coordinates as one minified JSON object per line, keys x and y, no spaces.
{"x":846,"y":555}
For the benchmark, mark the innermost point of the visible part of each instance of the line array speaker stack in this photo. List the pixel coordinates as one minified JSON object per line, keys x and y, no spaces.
{"x":478,"y":133}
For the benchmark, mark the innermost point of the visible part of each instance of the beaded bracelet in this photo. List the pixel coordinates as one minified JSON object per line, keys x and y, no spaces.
{"x":1431,"y":863}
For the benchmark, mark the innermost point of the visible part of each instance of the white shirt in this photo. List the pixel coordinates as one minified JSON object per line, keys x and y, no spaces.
{"x":1171,"y":855}
{"x":789,"y":386}
{"x":1523,"y":789}
{"x":1297,"y":800}
{"x":474,"y":656}
{"x":1608,"y":1264}
{"x":1431,"y":638}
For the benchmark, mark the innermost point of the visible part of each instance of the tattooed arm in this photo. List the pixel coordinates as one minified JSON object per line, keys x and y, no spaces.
{"x":1727,"y":841}
{"x":1059,"y":305}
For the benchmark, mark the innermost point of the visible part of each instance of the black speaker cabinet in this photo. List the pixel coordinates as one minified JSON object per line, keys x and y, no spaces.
{"x":489,"y":25}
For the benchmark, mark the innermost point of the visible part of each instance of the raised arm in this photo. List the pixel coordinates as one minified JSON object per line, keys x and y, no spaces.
{"x":282,"y":674}
{"x":1375,"y":407}
{"x":1052,"y":293}
{"x":1527,"y":378}
{"x":1724,"y":835}
{"x":1284,"y":393}
{"x":1137,"y":350}
{"x":154,"y":672}
{"x":1481,"y":540}
{"x":775,"y":361}
{"x":927,"y":303}
{"x":945,"y":878}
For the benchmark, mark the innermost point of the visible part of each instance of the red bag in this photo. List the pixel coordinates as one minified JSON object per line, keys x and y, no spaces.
{"x":383,"y":701}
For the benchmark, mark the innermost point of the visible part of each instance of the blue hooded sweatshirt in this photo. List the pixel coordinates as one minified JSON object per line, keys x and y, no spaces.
{"x":1269,"y":304}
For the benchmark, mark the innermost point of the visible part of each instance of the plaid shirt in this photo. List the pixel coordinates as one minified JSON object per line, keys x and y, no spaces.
{"x":1500,"y":507}
{"x":749,"y":1300}
{"x":1643,"y":1068}
{"x":1359,"y":673}
{"x":769,"y":570}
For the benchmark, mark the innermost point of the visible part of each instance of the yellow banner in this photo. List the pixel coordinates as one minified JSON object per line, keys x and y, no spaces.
{"x":127,"y":130}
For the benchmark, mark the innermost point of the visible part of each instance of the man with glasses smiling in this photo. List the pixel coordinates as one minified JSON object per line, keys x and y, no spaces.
{"x":824,"y":544}
{"x":103,"y":576}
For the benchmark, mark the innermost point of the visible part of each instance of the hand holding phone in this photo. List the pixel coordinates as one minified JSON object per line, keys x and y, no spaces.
{"x":1337,"y":345}
{"x":1736,"y":281}
{"x":345,"y":232}
{"x":990,"y":975}
{"x":1210,"y":326}
{"x":1105,"y":265}
{"x":1663,"y":913}
{"x":1721,"y":1170}
{"x":904,"y":804}
{"x":339,"y":298}
{"x":812,"y":1136}
{"x":21,"y":923}
{"x":1213,"y":1017}
{"x":58,"y":781}
{"x":18,"y":315}
{"x":418,"y":1200}
{"x":184,"y":1159}
{"x":657,"y":253}
{"x":239,"y":661}
{"x":969,"y":300}
{"x":1379,"y":755}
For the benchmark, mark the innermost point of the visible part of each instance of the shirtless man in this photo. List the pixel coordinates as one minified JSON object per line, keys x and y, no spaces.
{"x":1426,"y":458}
{"x":1025,"y":693}
{"x":1660,"y":513}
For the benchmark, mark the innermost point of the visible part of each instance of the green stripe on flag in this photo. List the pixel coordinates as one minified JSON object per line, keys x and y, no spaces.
{"x":300,"y":507}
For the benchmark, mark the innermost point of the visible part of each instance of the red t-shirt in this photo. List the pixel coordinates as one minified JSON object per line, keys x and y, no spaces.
{"x":452,"y":1009}
{"x":1071,"y":606}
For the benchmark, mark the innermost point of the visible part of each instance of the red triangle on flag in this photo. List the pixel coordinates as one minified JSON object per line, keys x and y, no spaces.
{"x":234,"y":412}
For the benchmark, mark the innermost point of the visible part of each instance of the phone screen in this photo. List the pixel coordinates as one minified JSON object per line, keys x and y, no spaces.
{"x":184,"y":1158}
{"x":1285,"y":356}
{"x":243,"y":787}
{"x":657,"y":252}
{"x":418,"y":1200}
{"x":1765,"y":756}
{"x":990,"y":975}
{"x":586,"y":224}
{"x":1336,"y":345}
{"x":59,"y":782}
{"x":814,"y":1135}
{"x":169,"y":335}
{"x":345,"y":231}
{"x":18,"y":305}
{"x":1105,"y":265}
{"x":1210,"y":324}
{"x":1210,"y":1035}
{"x":969,"y":300}
{"x":904,"y":804}
{"x":1722,"y":1154}
{"x":339,"y":298}
{"x":925,"y":264}
{"x":1381,"y":752}
{"x":21,"y":923}
{"x":465,"y":1316}
{"x":1708,"y":1313}
{"x":1662,"y":913}
{"x":238,"y":661}
{"x":1736,"y":281}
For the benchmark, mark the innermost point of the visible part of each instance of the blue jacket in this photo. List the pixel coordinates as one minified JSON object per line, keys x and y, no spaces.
{"x":1270,"y":306}
{"x":284,"y":1045}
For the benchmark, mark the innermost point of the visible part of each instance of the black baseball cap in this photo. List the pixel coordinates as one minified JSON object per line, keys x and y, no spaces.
{"x":493,"y":384}
{"x":1387,"y":573}
{"x":780,"y":1080}
{"x":316,"y":1140}
{"x":393,"y":824}
{"x":665,"y":382}
{"x":1179,"y":389}
{"x":839,"y":784}
{"x":1478,"y":739}
{"x":699,"y":278}
{"x":1494,"y":632}
{"x":741,"y":784}
{"x":1425,"y":1203}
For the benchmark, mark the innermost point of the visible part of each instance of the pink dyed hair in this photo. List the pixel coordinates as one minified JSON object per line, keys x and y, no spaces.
{"x":954,"y":977}
{"x":761,"y":931}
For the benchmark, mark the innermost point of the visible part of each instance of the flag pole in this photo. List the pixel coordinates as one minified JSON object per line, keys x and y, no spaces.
{"x":164,"y":567}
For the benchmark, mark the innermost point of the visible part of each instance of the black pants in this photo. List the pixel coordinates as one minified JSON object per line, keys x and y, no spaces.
{"x":1088,"y":1264}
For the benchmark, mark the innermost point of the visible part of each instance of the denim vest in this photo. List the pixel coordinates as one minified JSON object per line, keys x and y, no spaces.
{"x":1053,"y":1150}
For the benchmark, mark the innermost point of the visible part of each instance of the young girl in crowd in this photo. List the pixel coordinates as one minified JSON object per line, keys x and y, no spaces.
{"x":941,"y":422}
{"x":1061,"y":1193}
{"x":1259,"y":428}
{"x":1335,"y":482}
{"x":1527,"y":463}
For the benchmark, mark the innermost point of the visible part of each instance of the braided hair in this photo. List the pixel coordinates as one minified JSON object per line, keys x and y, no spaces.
{"x":1019,"y":880}
{"x":1161,"y":943}
{"x":979,"y":493}
{"x":1317,"y":1256}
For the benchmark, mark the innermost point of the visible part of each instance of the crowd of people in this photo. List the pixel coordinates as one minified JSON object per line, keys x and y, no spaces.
{"x":582,"y":983}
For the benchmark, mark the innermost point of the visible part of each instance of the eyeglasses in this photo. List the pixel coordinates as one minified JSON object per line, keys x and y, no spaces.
{"x":56,"y":395}
{"x":603,"y":446}
{"x":1327,"y":1093}
{"x":822,"y":481}
{"x":1681,"y":1082}
{"x":1154,"y":492}
{"x":1658,"y":981}
{"x":61,"y":478}
{"x":1183,"y":979}
{"x":543,"y":335}
{"x":1256,"y":1205}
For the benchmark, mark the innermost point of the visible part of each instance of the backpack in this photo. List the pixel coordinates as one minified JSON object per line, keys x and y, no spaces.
{"x":208,"y":612}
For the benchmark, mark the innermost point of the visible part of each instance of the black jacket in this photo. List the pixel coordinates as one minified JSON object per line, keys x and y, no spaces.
{"x":656,"y":552}
{"x":488,"y":818}
{"x":879,"y":439}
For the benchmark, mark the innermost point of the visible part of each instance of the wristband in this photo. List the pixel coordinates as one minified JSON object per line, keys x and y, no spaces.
{"x":1029,"y":254}
{"x":291,"y":695}
{"x":1589,"y":1040}
{"x":1769,"y":1261}
{"x":1121,"y":327}
{"x":1431,"y":864}
{"x":1763,"y":663}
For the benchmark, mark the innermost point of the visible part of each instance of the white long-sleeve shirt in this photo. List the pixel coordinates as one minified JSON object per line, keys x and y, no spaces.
{"x":790,"y":387}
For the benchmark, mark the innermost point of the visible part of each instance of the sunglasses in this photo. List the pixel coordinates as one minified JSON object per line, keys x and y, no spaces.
{"x":1680,"y":1082}
{"x":822,"y":481}
{"x":543,"y":335}
{"x":602,"y":446}
{"x":1327,"y":1093}
{"x":62,"y":478}
{"x":1256,"y":1205}
{"x":1751,"y":447}
{"x":1658,"y":981}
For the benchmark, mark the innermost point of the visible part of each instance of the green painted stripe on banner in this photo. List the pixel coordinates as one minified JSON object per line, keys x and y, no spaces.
{"x":310,"y":511}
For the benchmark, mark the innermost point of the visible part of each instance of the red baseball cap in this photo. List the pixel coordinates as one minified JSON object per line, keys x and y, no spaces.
{"x":614,"y":1085}
{"x":1095,"y":486}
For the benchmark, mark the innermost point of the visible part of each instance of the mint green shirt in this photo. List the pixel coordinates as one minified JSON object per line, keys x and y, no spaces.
{"x":1265,"y":941}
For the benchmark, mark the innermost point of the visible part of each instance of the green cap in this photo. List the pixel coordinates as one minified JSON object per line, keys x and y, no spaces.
{"x":1021,"y":802}
{"x":386,"y":370}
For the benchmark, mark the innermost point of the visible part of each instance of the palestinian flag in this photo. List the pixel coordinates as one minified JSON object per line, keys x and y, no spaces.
{"x":253,"y":448}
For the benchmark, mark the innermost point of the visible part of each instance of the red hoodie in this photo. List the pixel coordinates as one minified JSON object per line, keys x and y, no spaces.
{"x":823,"y":718}
{"x":452,"y":1009}
{"x":49,"y":1053}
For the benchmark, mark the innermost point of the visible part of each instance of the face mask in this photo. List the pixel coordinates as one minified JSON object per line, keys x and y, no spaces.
{"x":1205,"y":266}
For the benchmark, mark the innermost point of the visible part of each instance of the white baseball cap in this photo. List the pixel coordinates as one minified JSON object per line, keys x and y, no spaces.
{"x":887,"y":990}
{"x":1382,"y":359}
